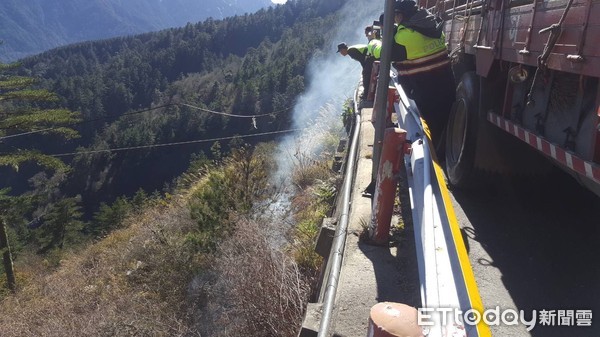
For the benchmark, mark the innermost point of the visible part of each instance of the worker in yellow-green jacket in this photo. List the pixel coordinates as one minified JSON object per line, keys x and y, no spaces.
{"x":359,"y":53}
{"x":420,"y":56}
{"x":374,"y":46}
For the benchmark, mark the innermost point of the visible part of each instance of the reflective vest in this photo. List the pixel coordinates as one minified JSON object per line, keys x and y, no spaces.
{"x":423,"y":53}
{"x":362,"y":48}
{"x":374,"y":48}
{"x":358,"y":52}
{"x":418,"y":45}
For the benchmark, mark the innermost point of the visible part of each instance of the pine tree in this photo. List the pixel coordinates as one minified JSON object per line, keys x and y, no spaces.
{"x":62,"y":224}
{"x":108,"y":218}
{"x":5,"y":204}
{"x":26,"y":110}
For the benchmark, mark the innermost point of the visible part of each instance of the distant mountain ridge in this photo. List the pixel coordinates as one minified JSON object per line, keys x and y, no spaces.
{"x":31,"y":26}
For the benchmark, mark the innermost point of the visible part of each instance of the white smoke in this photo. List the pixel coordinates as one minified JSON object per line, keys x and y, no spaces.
{"x":332,"y":79}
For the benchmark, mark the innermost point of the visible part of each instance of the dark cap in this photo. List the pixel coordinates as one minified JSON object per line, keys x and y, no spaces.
{"x":406,"y":7}
{"x":341,"y":46}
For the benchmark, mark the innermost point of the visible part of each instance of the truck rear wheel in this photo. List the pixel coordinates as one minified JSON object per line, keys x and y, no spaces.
{"x":462,"y":132}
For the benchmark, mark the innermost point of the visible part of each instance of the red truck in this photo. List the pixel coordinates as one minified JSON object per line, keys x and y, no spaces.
{"x":530,"y":68}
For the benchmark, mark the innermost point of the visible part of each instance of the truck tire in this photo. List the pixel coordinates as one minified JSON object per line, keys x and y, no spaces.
{"x":461,"y":133}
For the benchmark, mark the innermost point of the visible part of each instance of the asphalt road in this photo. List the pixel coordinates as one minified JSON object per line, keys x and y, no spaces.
{"x":534,"y":244}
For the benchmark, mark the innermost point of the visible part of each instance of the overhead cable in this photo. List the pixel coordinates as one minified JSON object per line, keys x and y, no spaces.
{"x":119,"y":149}
{"x":141,"y":111}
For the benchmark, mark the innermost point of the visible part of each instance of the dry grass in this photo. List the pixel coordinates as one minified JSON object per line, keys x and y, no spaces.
{"x":259,"y":290}
{"x":132,"y":283}
{"x":148,"y":279}
{"x":307,"y":171}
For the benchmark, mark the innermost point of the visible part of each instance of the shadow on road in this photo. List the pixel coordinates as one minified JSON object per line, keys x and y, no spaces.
{"x":543,"y":236}
{"x":395,"y":267}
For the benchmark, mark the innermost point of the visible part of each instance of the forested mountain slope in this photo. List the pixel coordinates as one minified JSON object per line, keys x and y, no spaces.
{"x":31,"y":26}
{"x":123,"y":243}
{"x":245,"y":65}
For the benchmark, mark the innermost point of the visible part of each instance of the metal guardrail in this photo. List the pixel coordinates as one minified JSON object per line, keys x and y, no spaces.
{"x":445,"y":272}
{"x":446,"y":277}
{"x":339,"y":239}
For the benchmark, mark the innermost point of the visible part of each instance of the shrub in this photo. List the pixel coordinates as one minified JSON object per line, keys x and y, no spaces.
{"x":260,"y":290}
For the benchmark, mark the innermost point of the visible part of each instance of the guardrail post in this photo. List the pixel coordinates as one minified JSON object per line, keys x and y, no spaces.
{"x":383,"y":80}
{"x":385,"y":189}
{"x":373,"y":83}
{"x":392,"y":97}
{"x":389,"y":319}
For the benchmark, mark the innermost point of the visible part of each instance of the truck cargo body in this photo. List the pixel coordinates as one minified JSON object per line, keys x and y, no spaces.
{"x":530,"y":68}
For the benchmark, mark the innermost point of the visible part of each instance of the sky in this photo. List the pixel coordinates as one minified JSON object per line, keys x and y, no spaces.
{"x":278,"y":1}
